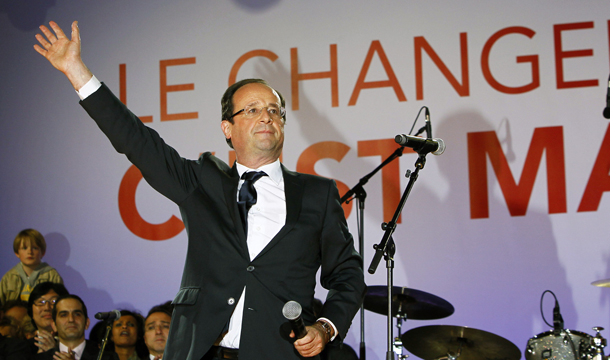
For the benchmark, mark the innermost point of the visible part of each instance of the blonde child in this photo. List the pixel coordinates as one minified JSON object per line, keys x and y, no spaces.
{"x":18,"y":282}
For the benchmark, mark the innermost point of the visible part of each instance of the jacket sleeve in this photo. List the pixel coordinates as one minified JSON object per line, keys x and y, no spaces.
{"x":341,"y":270}
{"x":160,"y":164}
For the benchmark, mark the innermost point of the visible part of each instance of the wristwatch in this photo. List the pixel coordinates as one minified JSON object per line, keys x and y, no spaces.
{"x":326,"y":327}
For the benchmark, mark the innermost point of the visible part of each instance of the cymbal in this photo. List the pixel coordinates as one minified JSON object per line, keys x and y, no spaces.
{"x":601,"y":283}
{"x":414,"y":304}
{"x":436,"y":341}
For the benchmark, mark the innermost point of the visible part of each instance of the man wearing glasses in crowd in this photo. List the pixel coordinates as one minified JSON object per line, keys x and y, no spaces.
{"x":40,"y":307}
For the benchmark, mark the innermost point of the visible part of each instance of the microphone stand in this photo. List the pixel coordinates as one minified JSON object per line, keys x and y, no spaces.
{"x":359,"y":193}
{"x":387,"y":248}
{"x":104,"y":340}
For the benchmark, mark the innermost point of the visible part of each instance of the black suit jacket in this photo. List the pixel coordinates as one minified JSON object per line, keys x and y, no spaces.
{"x":14,"y":349}
{"x":90,"y":353}
{"x":218,"y":266}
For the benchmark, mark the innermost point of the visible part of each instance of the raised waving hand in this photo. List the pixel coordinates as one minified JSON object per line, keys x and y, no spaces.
{"x":63,"y":53}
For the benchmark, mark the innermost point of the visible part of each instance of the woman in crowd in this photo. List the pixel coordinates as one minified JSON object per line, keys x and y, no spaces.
{"x":128,"y":336}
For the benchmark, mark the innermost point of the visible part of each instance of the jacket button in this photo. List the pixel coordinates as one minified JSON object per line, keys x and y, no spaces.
{"x":231,"y":301}
{"x":250,"y":268}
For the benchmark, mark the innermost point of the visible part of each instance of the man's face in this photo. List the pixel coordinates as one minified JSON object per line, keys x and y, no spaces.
{"x":156,"y":330}
{"x":70,"y":322}
{"x":260,"y":135}
{"x":41,"y":313}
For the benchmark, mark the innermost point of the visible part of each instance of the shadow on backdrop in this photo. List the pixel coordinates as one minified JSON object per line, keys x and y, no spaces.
{"x":58,"y":255}
{"x":26,"y":15}
{"x":256,"y":5}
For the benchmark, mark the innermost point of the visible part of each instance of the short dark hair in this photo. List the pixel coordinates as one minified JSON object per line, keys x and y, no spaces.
{"x":14,"y":303}
{"x":227,"y":99}
{"x":166,"y":308}
{"x":69,"y":296}
{"x":42,"y":289}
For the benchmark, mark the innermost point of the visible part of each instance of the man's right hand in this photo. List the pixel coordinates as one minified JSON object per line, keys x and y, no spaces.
{"x":63,"y":53}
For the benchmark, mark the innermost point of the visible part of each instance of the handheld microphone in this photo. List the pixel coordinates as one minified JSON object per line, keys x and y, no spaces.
{"x":607,"y":109}
{"x":557,"y":318}
{"x":292,"y":312}
{"x":420,"y":145}
{"x":109,"y":315}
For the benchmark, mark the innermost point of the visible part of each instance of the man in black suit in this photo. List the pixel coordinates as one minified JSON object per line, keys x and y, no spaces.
{"x":70,"y":320}
{"x":242,"y":266}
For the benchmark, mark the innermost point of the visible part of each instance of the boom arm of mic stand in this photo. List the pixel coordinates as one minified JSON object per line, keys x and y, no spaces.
{"x":390,"y":227}
{"x":358,"y":188}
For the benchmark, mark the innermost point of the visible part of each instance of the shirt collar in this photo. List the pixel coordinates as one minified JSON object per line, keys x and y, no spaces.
{"x":273,"y":170}
{"x":78,"y":351}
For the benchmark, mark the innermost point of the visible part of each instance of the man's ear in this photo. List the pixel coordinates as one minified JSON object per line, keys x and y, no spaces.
{"x":87,"y":324}
{"x":53,"y":326}
{"x":225,"y":126}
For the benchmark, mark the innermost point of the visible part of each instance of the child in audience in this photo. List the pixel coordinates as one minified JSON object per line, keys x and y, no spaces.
{"x":18,"y":282}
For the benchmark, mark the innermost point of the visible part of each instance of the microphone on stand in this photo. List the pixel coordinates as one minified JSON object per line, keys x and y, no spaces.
{"x":292,"y":311}
{"x":557,"y":318}
{"x":109,"y":315}
{"x":420,"y":145}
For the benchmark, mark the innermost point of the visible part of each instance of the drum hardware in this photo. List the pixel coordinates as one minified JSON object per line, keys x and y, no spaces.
{"x":564,"y":344}
{"x":598,"y":343}
{"x":407,"y":303}
{"x":398,"y":346}
{"x":445,"y":342}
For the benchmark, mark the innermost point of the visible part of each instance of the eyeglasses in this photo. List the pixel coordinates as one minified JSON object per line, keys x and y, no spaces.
{"x":44,"y":302}
{"x":253,"y":112}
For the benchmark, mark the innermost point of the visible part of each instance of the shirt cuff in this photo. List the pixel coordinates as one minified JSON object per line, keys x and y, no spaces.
{"x":89,"y":88}
{"x":335,"y":332}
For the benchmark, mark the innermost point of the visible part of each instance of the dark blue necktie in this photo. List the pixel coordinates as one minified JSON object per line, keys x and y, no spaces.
{"x":247,"y":195}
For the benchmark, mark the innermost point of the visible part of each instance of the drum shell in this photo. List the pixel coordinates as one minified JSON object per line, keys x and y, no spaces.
{"x":565,"y":345}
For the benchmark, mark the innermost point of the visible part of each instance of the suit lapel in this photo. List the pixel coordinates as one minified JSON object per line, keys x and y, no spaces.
{"x":293,"y":189}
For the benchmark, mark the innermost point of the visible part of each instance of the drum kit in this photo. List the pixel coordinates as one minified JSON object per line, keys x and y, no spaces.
{"x":445,"y":342}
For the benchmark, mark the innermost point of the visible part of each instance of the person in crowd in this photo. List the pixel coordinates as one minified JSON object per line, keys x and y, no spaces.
{"x":16,"y":309}
{"x":9,"y":327}
{"x":27,"y":330}
{"x":128,"y":336}
{"x":14,"y":349}
{"x":29,"y":247}
{"x":40,"y":309}
{"x":242,"y":265}
{"x":156,"y":329}
{"x":70,"y":320}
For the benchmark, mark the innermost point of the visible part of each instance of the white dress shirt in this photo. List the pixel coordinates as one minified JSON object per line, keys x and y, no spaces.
{"x":265,"y":219}
{"x":78,"y":351}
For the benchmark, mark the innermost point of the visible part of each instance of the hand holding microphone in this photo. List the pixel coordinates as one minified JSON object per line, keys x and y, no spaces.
{"x":313,"y":341}
{"x":292,"y":311}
